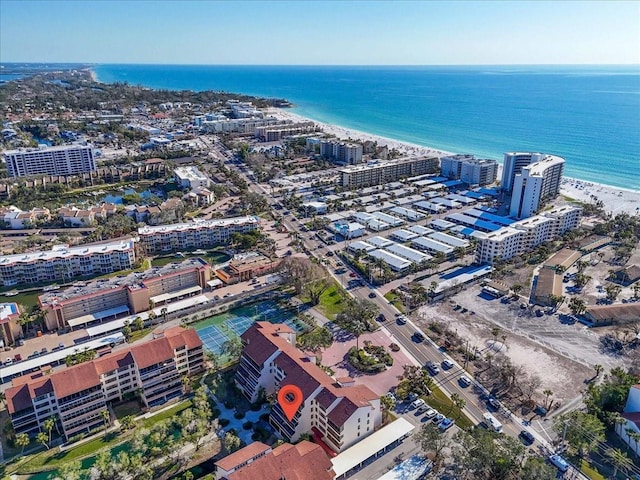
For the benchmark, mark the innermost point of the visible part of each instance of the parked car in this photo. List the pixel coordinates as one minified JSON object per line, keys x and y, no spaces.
{"x":447,"y":364}
{"x":429,"y":414}
{"x":527,"y":437}
{"x":464,"y":381}
{"x":495,"y":404}
{"x":446,"y":424}
{"x":416,"y":404}
{"x":438,"y":418}
{"x":8,"y":361}
{"x":412,"y":397}
{"x":422,"y":408}
{"x":43,"y":351}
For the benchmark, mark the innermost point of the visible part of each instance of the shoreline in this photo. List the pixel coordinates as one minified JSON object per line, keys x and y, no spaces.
{"x":615,"y":199}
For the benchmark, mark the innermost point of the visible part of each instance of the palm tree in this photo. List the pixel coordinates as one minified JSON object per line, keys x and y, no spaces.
{"x":22,"y":440}
{"x":635,"y":436}
{"x":48,"y":426}
{"x":42,"y":438}
{"x":618,"y":459}
{"x":164,"y":312}
{"x":598,"y":369}
{"x":548,"y":398}
{"x":458,"y":402}
{"x":106,"y":418}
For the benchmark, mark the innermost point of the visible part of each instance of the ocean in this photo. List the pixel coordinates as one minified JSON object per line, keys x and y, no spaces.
{"x":590,"y":115}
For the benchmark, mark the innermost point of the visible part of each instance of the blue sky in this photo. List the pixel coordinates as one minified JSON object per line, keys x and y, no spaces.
{"x":320,"y":33}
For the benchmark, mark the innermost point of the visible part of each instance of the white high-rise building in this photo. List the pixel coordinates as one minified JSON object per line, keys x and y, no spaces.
{"x":63,"y":160}
{"x":536,"y":183}
{"x":513,"y":164}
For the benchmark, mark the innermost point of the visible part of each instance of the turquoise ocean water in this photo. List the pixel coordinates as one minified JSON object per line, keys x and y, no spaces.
{"x":588,"y":114}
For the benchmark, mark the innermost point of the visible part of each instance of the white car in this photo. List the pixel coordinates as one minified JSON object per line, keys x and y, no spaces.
{"x":464,"y":381}
{"x":447,"y":364}
{"x":429,"y":414}
{"x":417,"y":404}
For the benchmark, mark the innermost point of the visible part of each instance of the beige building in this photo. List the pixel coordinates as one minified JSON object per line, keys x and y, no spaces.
{"x":382,"y":172}
{"x":112,"y":298}
{"x":199,"y":234}
{"x":64,"y":263}
{"x":78,"y":395}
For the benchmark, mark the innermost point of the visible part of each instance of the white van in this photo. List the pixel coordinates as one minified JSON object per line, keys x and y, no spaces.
{"x":491,"y":422}
{"x":417,"y":404}
{"x":559,"y":462}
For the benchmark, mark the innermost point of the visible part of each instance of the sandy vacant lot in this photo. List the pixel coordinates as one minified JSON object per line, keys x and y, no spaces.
{"x":560,"y":354}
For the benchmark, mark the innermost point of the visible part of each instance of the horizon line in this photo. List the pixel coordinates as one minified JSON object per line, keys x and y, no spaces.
{"x":93,"y":64}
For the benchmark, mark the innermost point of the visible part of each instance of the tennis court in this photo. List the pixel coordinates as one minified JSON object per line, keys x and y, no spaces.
{"x":214,"y":331}
{"x":213,"y":338}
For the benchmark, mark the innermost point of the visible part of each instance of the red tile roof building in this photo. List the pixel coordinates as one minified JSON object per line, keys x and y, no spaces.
{"x":303,"y":461}
{"x":340,"y":415}
{"x":78,"y":394}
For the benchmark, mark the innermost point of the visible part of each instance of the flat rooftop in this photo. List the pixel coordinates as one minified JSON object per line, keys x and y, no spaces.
{"x":134,"y":280}
{"x":216,"y":223}
{"x":63,"y":251}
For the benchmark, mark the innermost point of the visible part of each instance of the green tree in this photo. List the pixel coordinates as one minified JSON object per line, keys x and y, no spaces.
{"x":431,"y":440}
{"x":458,"y":402}
{"x":582,"y":431}
{"x":126,"y":422}
{"x":316,"y":340}
{"x":577,"y":306}
{"x":357,"y":317}
{"x":612,"y":292}
{"x":42,"y":438}
{"x":618,"y":460}
{"x":484,"y":456}
{"x":22,"y":441}
{"x":548,"y":398}
{"x":71,"y":471}
{"x":537,"y":469}
{"x":48,"y":424}
{"x":232,"y":348}
{"x":106,"y":419}
{"x":230,"y":443}
{"x":598,"y":369}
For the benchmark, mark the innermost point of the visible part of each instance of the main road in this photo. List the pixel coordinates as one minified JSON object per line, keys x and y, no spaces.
{"x":419,"y":352}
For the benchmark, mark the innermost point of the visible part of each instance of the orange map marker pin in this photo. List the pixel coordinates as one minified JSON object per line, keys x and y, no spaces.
{"x":290,"y":399}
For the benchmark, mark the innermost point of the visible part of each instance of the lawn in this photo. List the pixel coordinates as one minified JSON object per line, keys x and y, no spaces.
{"x":52,"y":459}
{"x":212,"y":257}
{"x":331,"y":301}
{"x":589,"y":471}
{"x":139,"y":334}
{"x":394,"y":300}
{"x":444,"y":405}
{"x":28,"y":299}
{"x":126,"y":408}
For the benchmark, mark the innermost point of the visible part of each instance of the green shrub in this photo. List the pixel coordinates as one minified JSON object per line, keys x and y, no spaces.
{"x":255,"y":407}
{"x":264,"y":417}
{"x":224,"y":422}
{"x":247,"y":425}
{"x":238,"y":415}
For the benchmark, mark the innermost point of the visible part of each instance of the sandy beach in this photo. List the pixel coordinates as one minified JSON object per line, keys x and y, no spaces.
{"x":616,"y":200}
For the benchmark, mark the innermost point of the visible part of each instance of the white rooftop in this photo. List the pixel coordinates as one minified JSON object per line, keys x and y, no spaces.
{"x":354,"y":456}
{"x":215,"y":223}
{"x":63,"y":251}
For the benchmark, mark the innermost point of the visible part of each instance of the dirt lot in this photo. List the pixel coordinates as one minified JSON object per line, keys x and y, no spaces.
{"x":561,"y":354}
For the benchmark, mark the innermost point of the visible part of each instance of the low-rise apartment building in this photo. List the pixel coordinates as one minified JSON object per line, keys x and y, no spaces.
{"x":137,"y":292}
{"x":64,"y":263}
{"x":275,"y":133}
{"x":199,"y":234}
{"x":17,"y":219}
{"x":191,"y":177}
{"x":78,"y":395}
{"x":77,"y":217}
{"x":382,"y":172}
{"x":337,"y":412}
{"x":245,"y":267}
